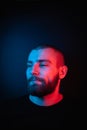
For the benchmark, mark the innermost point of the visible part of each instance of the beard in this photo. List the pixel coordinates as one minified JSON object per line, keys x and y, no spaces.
{"x":38,"y":86}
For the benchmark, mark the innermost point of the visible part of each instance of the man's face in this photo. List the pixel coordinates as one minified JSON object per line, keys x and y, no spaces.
{"x":42,"y":72}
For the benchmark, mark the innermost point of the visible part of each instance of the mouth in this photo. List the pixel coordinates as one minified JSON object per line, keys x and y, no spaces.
{"x":35,"y":82}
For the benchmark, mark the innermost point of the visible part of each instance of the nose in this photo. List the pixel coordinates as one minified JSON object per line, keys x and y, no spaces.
{"x":35,"y":70}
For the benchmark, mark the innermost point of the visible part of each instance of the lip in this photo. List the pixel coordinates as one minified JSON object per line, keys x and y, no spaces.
{"x":34,"y":80}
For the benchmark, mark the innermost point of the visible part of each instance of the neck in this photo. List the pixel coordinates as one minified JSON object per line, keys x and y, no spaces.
{"x":45,"y":101}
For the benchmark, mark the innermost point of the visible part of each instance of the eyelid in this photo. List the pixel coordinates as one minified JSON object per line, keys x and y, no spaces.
{"x":44,"y":64}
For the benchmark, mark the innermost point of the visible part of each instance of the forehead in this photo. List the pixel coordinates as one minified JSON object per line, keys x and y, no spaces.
{"x":46,"y":53}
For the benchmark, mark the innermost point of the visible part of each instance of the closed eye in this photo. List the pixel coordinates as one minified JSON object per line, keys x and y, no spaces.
{"x":43,"y":65}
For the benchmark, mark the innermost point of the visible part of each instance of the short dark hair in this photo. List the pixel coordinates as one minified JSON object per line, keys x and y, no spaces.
{"x":46,"y":45}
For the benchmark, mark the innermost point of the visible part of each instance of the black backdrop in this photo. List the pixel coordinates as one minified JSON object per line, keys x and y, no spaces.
{"x":24,"y":24}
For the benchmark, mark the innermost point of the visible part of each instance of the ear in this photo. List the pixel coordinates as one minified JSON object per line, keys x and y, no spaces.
{"x":63,"y":71}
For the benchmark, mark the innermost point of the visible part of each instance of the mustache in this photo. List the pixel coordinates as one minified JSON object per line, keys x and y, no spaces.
{"x":34,"y":78}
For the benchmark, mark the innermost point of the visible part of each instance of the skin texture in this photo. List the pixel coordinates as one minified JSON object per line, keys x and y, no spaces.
{"x":45,"y":69}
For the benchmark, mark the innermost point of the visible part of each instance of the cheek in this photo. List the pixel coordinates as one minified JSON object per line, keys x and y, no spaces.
{"x":27,"y":74}
{"x":49,"y":75}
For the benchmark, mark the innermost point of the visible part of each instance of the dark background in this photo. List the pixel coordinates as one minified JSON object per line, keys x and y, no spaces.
{"x":25,"y":24}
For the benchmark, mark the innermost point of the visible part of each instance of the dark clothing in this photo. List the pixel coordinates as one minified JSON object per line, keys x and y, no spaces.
{"x":22,"y":113}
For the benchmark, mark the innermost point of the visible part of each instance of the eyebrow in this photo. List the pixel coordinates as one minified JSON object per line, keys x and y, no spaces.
{"x":43,"y":60}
